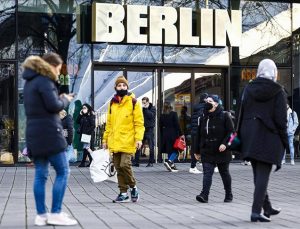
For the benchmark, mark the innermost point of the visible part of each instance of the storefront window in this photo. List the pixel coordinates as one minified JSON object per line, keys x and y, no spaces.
{"x":7,"y":30}
{"x":267,"y":29}
{"x":7,"y":113}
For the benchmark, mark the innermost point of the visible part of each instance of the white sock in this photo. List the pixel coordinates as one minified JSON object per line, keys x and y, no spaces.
{"x":124,"y":193}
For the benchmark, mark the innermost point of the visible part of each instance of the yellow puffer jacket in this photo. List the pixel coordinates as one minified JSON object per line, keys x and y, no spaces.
{"x":124,"y":126}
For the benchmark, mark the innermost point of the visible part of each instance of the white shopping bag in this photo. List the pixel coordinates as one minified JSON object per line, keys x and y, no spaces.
{"x":102,"y":168}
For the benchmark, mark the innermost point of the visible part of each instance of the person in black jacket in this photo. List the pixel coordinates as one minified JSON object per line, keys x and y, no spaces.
{"x":263,"y":132}
{"x":67,"y":123}
{"x":44,"y":134}
{"x":86,"y":121}
{"x":214,"y":131}
{"x":149,"y":113}
{"x":198,"y":112}
{"x":170,"y":131}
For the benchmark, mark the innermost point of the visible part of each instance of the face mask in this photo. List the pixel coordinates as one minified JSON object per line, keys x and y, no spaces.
{"x":121,"y":92}
{"x":208,"y":106}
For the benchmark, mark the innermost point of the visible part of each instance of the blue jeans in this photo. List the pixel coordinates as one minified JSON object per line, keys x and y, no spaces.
{"x":291,"y":147}
{"x":61,"y":166}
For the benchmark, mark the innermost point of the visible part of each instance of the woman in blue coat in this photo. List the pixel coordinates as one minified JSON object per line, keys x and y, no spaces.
{"x":44,"y":134}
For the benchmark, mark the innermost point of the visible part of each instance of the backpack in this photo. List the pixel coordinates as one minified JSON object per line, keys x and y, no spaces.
{"x":133,"y":104}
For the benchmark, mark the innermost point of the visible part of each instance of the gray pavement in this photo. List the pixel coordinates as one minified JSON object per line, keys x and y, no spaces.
{"x":167,"y":199}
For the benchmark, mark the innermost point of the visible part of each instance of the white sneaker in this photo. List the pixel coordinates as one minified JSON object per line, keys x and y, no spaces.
{"x":216,"y":170}
{"x":40,"y":220}
{"x":283,"y":162}
{"x":194,"y":171}
{"x":292,"y":162}
{"x":61,"y":219}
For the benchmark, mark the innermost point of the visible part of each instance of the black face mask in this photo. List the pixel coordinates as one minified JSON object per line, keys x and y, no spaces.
{"x":208,"y":106}
{"x":122,"y":92}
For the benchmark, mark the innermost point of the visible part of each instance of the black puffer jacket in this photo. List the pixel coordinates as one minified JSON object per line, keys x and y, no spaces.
{"x":67,"y":123}
{"x":197,"y":112}
{"x":264,"y":122}
{"x":215,"y":129}
{"x":149,"y":116}
{"x":44,"y":132}
{"x":87,"y":124}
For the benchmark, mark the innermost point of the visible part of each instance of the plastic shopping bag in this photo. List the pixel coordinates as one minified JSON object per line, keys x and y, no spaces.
{"x":102,"y":168}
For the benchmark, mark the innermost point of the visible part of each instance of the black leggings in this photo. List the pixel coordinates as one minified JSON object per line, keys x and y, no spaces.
{"x":261,"y":173}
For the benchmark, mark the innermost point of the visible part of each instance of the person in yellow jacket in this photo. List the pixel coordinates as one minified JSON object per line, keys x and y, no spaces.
{"x":123,"y":135}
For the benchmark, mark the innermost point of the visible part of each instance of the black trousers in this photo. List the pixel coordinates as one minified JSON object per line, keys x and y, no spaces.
{"x":193,"y":150}
{"x":149,"y":137}
{"x":261,"y":173}
{"x":85,"y":154}
{"x":208,"y":171}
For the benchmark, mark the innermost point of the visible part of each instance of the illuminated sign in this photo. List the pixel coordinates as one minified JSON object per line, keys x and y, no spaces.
{"x":157,"y":25}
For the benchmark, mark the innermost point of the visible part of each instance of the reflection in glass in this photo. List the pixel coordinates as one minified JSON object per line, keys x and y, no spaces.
{"x":7,"y":113}
{"x":7,"y":30}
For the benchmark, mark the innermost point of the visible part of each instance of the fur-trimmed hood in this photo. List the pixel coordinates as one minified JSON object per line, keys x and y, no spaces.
{"x":34,"y":65}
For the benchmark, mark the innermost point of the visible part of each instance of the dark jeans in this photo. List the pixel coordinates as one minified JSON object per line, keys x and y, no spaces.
{"x":261,"y":173}
{"x":86,"y":154}
{"x":193,"y":147}
{"x":208,"y":171}
{"x":149,"y":137}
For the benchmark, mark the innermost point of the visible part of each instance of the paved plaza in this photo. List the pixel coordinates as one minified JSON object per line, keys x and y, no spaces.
{"x":167,"y":200}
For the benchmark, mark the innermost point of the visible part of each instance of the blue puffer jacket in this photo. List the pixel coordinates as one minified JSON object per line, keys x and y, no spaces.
{"x":44,"y":131}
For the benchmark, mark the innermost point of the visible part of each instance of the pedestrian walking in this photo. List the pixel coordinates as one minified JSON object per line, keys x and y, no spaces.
{"x":263,"y":132}
{"x":123,"y":135}
{"x":214,"y":131}
{"x":149,"y":113}
{"x":197,"y":114}
{"x":87,"y":125}
{"x":170,"y":131}
{"x":44,"y":134}
{"x":292,"y":124}
{"x":67,"y":124}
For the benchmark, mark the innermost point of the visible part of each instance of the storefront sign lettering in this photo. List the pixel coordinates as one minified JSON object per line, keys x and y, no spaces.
{"x":115,"y":23}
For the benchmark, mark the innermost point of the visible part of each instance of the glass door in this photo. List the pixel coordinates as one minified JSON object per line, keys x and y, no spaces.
{"x":176,"y":90}
{"x":7,"y":113}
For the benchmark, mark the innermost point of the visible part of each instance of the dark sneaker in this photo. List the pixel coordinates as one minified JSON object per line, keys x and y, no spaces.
{"x":173,"y":168}
{"x":149,"y":165}
{"x":168,"y":165}
{"x":121,"y":199}
{"x":202,"y":198}
{"x":81,"y":165}
{"x":134,"y":195}
{"x":136,"y":165}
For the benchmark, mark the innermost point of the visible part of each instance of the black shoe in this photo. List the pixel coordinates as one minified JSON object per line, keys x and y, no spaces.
{"x":149,"y":165}
{"x":136,"y":165}
{"x":255,"y":217}
{"x":228,"y":198}
{"x":88,"y":165}
{"x":81,"y":165}
{"x":273,"y":211}
{"x":202,"y":198}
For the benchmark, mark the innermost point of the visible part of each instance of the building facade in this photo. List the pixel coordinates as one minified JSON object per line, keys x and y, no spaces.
{"x":166,"y":71}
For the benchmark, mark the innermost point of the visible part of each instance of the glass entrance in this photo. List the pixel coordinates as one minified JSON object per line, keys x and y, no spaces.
{"x":7,"y":113}
{"x":181,"y":87}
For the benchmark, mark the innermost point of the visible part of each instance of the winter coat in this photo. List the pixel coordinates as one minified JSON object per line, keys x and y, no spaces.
{"x":214,"y":129}
{"x":197,"y":113}
{"x":87,"y":126}
{"x":149,"y":116}
{"x":185,"y":124}
{"x":44,"y":131}
{"x":292,"y":120}
{"x":263,"y":129}
{"x":124,"y":126}
{"x":170,"y":130}
{"x":67,"y":123}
